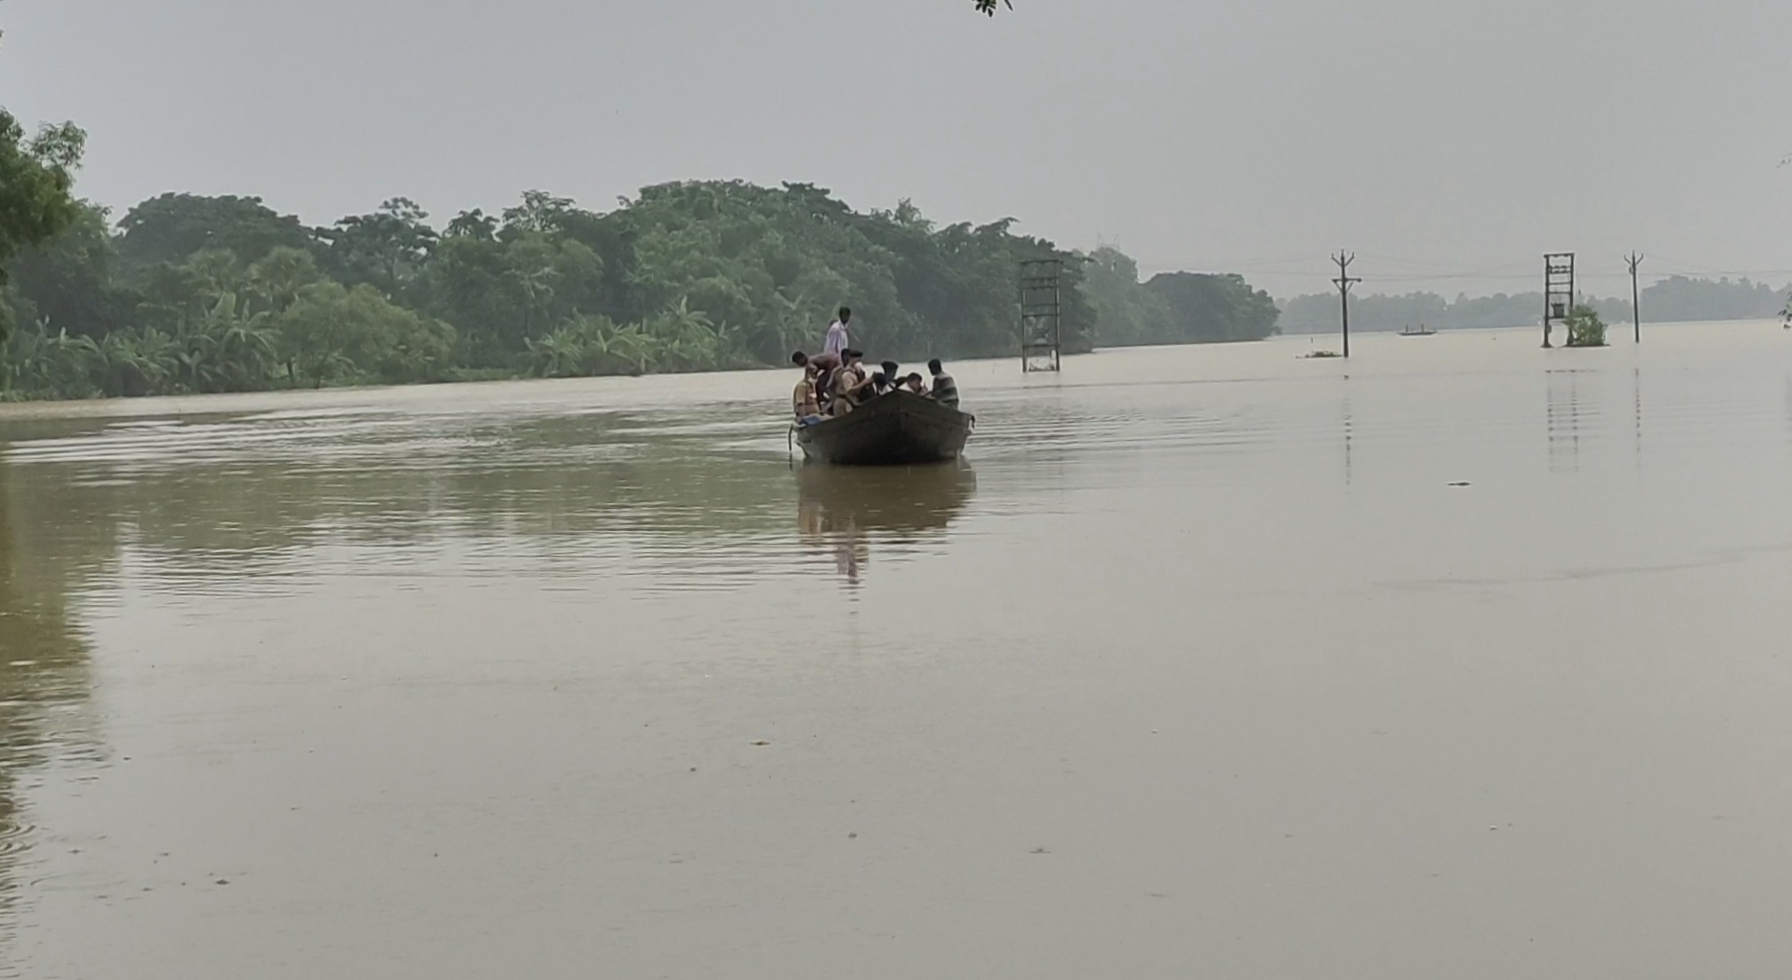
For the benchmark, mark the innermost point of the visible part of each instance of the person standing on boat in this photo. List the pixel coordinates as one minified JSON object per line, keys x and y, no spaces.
{"x":838,"y":339}
{"x":945,"y":390}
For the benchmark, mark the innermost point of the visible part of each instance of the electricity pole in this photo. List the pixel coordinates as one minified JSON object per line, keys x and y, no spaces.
{"x":1636,"y":314}
{"x":1345,"y":281}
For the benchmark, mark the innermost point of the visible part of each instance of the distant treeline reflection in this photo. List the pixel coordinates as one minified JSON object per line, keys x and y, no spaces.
{"x":44,"y":671}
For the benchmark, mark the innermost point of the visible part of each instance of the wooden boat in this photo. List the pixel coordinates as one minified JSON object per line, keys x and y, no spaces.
{"x":1423,"y":331}
{"x":898,"y":428}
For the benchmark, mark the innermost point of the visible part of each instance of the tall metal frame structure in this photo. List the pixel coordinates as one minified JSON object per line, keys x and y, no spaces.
{"x":1041,"y":314}
{"x":1558,"y":293}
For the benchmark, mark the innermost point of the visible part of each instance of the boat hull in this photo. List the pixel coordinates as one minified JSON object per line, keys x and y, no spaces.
{"x":899,"y":428}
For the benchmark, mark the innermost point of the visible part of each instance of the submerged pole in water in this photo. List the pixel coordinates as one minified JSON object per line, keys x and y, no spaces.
{"x":1344,"y":281}
{"x":1636,"y":312}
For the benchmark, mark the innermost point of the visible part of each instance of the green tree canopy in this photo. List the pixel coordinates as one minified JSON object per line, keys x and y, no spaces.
{"x":1206,"y":308}
{"x":71,"y":279}
{"x":36,"y":180}
{"x":1126,"y":314}
{"x":171,"y":227}
{"x":387,"y":249}
{"x":331,"y":332}
{"x":36,"y":184}
{"x":225,"y":294}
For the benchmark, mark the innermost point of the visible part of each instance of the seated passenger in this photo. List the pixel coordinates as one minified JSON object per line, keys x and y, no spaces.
{"x":945,"y":390}
{"x":914,"y":384}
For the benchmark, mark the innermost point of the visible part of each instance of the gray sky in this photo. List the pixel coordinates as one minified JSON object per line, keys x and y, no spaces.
{"x":1437,"y":139}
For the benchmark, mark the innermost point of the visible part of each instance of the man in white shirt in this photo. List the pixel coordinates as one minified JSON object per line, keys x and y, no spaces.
{"x":837,"y":340}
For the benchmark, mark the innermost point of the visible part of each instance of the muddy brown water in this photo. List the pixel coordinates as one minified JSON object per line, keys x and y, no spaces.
{"x":1462,"y":660}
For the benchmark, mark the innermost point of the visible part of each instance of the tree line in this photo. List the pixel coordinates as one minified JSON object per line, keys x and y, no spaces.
{"x":1671,"y":300}
{"x":1172,"y":307}
{"x":191,"y":293}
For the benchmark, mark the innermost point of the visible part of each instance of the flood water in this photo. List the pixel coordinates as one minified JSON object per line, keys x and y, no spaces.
{"x":1463,"y":660}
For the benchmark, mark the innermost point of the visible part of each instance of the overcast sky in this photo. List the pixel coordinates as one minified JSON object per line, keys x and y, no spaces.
{"x":1447,"y":143}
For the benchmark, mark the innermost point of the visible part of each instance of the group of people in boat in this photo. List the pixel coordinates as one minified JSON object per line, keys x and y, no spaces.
{"x":836,"y":380}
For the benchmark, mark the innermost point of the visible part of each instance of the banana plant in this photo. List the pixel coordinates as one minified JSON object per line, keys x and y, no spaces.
{"x":137,"y":362}
{"x":54,"y":364}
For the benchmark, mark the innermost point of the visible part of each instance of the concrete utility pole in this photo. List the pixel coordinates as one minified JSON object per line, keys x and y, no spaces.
{"x":1345,"y":281}
{"x":1636,"y":313}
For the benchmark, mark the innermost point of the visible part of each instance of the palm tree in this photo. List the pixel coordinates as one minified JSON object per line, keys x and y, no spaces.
{"x":217,"y":271}
{"x":538,"y":291}
{"x":279,"y":276}
{"x":792,"y":319}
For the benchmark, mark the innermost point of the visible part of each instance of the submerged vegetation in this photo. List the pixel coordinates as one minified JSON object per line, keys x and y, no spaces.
{"x":1585,"y":328}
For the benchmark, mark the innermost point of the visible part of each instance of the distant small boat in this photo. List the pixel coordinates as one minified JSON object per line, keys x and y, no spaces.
{"x":1423,"y":331}
{"x":898,"y":428}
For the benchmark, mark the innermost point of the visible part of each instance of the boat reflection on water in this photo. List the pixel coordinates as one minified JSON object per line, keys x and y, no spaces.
{"x":844,"y":510}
